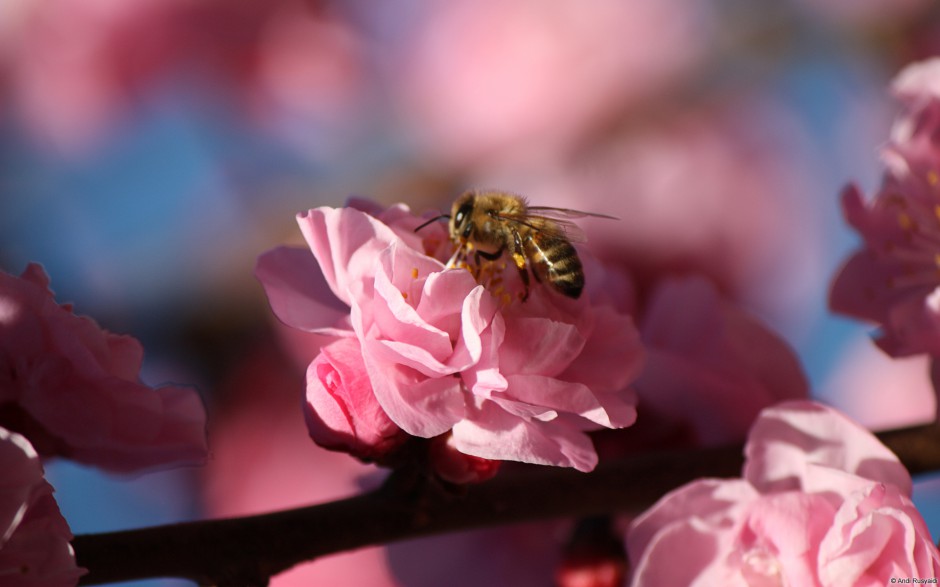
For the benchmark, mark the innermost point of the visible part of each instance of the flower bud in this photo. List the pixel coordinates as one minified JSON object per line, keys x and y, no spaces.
{"x":341,"y":410}
{"x":456,"y":467}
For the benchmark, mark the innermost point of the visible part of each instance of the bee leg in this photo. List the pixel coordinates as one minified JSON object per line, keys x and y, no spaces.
{"x":489,"y":256}
{"x":517,"y":252}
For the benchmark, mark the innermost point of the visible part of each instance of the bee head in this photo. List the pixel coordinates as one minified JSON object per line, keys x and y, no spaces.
{"x":462,"y":211}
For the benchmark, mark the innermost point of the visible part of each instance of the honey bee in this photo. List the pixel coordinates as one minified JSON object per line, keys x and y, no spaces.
{"x":537,"y":238}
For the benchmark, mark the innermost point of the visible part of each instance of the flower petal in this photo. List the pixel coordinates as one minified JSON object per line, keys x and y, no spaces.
{"x":790,"y":438}
{"x":493,"y":433}
{"x":296,"y":289}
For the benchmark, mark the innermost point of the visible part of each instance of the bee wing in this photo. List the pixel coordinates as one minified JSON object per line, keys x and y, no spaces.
{"x":564,"y":213}
{"x":554,"y":221}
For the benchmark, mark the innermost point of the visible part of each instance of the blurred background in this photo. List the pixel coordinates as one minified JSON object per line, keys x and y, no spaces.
{"x":149,"y":151}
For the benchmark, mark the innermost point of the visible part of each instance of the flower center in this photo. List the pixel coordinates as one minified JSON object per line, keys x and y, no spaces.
{"x":486,"y":272}
{"x":760,"y":568}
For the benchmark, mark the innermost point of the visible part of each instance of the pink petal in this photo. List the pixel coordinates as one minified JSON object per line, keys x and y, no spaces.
{"x":536,"y":345}
{"x":877,"y":534}
{"x":493,"y":433}
{"x":564,"y":396}
{"x":700,"y":520}
{"x":78,"y":392}
{"x":711,"y":366}
{"x":689,"y":318}
{"x":784,"y":530}
{"x":913,"y":326}
{"x":612,"y":356}
{"x":420,"y":405}
{"x":482,"y":333}
{"x":399,"y":324}
{"x":790,"y":437}
{"x":484,"y":377}
{"x":36,"y":274}
{"x":918,"y":81}
{"x":21,"y":472}
{"x":296,"y":289}
{"x":34,"y":538}
{"x":346,"y":244}
{"x":699,"y":550}
{"x":125,"y":356}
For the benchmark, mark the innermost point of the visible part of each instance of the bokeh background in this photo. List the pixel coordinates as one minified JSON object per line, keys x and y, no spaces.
{"x":150,"y":150}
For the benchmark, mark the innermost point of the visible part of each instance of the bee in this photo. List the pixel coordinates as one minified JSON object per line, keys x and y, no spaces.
{"x":492,"y":223}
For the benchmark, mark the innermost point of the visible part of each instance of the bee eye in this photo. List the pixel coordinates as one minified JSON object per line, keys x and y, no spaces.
{"x":462,"y":213}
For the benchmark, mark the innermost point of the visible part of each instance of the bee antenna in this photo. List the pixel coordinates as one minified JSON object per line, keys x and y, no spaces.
{"x":436,"y":218}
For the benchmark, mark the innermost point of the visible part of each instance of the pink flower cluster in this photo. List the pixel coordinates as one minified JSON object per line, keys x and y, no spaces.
{"x":70,"y":389}
{"x":821,"y":503}
{"x":893,"y":279}
{"x":711,"y":367}
{"x":426,"y":350}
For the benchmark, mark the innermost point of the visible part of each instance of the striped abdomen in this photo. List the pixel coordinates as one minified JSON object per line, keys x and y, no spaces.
{"x":555,"y":262}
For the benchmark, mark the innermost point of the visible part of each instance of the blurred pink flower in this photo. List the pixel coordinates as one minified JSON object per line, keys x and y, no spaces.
{"x":34,"y":538}
{"x":892,"y":280}
{"x":72,"y":388}
{"x":822,"y":503}
{"x":500,"y":81}
{"x":718,"y":188}
{"x":74,"y":68}
{"x":711,"y":367}
{"x":516,"y":381}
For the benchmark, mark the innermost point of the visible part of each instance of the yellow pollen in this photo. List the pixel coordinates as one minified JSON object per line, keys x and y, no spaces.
{"x":905,"y":222}
{"x":933,"y":178}
{"x":519,"y":259}
{"x":414,"y":273}
{"x":404,"y":294}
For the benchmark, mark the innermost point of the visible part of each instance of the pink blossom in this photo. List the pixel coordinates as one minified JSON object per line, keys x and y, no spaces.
{"x":711,"y":367}
{"x":486,"y":81}
{"x":892,"y":280}
{"x":821,"y":503}
{"x":710,"y":189}
{"x":72,"y":388}
{"x":510,"y":381}
{"x":263,"y":460}
{"x":34,"y":538}
{"x":74,"y":67}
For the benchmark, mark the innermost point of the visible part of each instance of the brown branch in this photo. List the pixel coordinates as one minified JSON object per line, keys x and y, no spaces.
{"x":249,"y":550}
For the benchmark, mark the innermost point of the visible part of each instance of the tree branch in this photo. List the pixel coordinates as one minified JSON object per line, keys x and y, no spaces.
{"x":249,"y":550}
